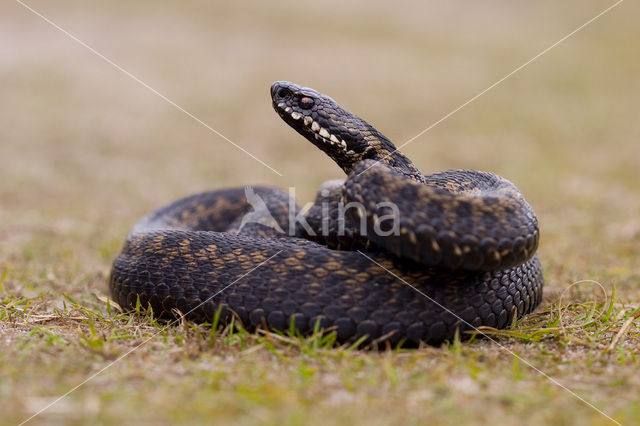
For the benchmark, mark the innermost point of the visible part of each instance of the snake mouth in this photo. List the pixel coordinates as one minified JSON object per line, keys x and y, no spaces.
{"x":314,"y":129}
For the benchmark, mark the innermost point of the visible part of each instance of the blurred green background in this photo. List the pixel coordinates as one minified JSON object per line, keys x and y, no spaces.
{"x":85,"y":150}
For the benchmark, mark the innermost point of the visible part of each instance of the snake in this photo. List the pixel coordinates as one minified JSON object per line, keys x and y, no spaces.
{"x":386,"y":254}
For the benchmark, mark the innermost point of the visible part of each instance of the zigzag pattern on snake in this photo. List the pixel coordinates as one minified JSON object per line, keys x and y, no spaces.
{"x":461,"y":255}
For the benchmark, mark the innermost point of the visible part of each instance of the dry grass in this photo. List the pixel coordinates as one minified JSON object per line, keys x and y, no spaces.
{"x":85,"y":151}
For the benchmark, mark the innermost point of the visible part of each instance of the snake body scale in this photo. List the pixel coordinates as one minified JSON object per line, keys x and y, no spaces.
{"x":464,"y":255}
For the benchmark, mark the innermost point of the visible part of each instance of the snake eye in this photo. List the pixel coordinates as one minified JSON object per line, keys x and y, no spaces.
{"x":283,"y":92}
{"x":306,"y":102}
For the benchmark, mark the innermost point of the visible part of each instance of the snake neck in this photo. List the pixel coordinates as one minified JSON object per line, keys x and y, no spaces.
{"x":343,"y":136}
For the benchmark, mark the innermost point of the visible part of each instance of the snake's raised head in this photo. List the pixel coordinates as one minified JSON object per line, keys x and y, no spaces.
{"x":345,"y":137}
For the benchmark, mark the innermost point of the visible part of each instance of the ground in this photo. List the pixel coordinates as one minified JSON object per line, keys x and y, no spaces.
{"x":86,"y":149}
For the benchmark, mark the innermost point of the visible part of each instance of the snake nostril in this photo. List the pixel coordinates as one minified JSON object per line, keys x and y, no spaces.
{"x":283,"y":92}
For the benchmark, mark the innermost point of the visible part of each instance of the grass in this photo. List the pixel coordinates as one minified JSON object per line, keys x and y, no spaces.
{"x":85,"y":151}
{"x":273,"y":378}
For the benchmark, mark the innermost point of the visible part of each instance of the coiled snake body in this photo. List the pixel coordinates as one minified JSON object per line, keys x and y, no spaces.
{"x":458,"y":251}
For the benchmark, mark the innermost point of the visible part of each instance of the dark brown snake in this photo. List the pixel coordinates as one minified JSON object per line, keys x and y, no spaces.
{"x":461,"y":254}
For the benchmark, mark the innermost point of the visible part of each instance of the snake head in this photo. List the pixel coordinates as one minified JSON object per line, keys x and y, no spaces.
{"x":346,"y":138}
